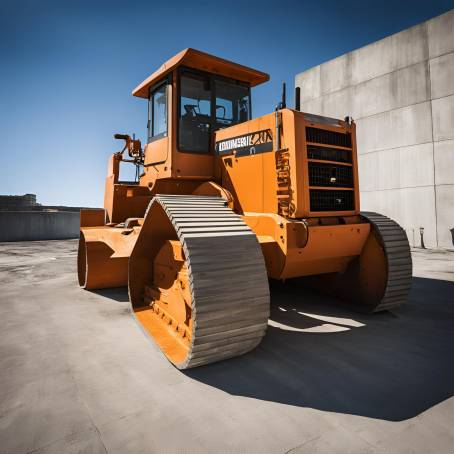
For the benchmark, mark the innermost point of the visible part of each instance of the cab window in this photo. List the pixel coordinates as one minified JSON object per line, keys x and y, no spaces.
{"x":157,"y":112}
{"x":195,"y":113}
{"x":208,"y":103}
{"x":232,"y":104}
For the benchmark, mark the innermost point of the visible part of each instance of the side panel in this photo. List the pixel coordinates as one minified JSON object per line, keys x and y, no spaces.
{"x":156,"y":152}
{"x":248,"y":171}
{"x":293,"y":248}
{"x":310,"y":172}
{"x":329,"y":249}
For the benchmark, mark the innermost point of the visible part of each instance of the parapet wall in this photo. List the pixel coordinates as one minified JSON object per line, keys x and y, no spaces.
{"x":38,"y":225}
{"x":400,"y":91}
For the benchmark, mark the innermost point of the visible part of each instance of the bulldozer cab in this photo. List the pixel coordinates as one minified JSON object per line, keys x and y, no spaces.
{"x":189,"y":98}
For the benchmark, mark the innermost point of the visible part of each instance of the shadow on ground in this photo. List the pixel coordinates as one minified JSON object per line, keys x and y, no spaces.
{"x":119,"y":294}
{"x":391,"y":366}
{"x":321,"y":355}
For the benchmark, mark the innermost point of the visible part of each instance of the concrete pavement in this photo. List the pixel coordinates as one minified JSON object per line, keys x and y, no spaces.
{"x":77,"y":375}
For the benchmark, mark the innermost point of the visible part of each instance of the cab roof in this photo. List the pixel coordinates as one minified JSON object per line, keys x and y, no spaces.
{"x":205,"y":62}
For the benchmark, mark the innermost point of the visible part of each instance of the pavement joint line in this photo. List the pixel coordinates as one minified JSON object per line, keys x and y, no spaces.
{"x":302,"y":444}
{"x":71,"y":371}
{"x":50,"y":443}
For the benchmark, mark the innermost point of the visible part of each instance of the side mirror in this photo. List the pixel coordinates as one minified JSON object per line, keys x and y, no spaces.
{"x":122,"y":137}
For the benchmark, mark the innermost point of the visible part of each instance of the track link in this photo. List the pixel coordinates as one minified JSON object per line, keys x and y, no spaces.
{"x":227,"y":274}
{"x":395,"y":244}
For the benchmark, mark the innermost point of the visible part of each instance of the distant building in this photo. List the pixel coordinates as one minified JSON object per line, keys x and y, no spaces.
{"x":23,"y":219}
{"x":13,"y":201}
{"x":27,"y":202}
{"x":400,"y":91}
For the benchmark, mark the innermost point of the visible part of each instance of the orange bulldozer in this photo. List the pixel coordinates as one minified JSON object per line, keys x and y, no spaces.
{"x":222,"y":203}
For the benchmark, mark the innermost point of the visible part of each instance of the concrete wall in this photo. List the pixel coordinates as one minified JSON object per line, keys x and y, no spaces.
{"x":400,"y":91}
{"x":38,"y":225}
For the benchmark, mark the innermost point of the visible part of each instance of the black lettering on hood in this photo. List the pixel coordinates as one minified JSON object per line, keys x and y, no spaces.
{"x":247,"y":144}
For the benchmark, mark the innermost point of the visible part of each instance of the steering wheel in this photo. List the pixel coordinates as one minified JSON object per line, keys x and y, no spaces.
{"x":191,"y":110}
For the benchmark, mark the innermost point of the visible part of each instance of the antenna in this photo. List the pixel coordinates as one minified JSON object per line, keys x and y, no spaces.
{"x":283,"y":101}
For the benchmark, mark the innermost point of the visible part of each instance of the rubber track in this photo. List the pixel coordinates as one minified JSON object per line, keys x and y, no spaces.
{"x":394,"y":241}
{"x":228,"y":278}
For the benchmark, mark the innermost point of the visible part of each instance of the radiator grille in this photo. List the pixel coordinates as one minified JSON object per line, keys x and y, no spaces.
{"x":328,"y":154}
{"x":331,"y":200}
{"x":330,"y":175}
{"x":328,"y":137}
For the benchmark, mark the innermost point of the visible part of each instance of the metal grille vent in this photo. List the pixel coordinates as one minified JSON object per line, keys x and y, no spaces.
{"x":329,"y":200}
{"x":330,"y":175}
{"x":328,"y":154}
{"x":329,"y":137}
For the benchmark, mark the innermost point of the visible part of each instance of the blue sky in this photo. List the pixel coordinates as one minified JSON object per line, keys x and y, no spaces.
{"x":67,"y":69}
